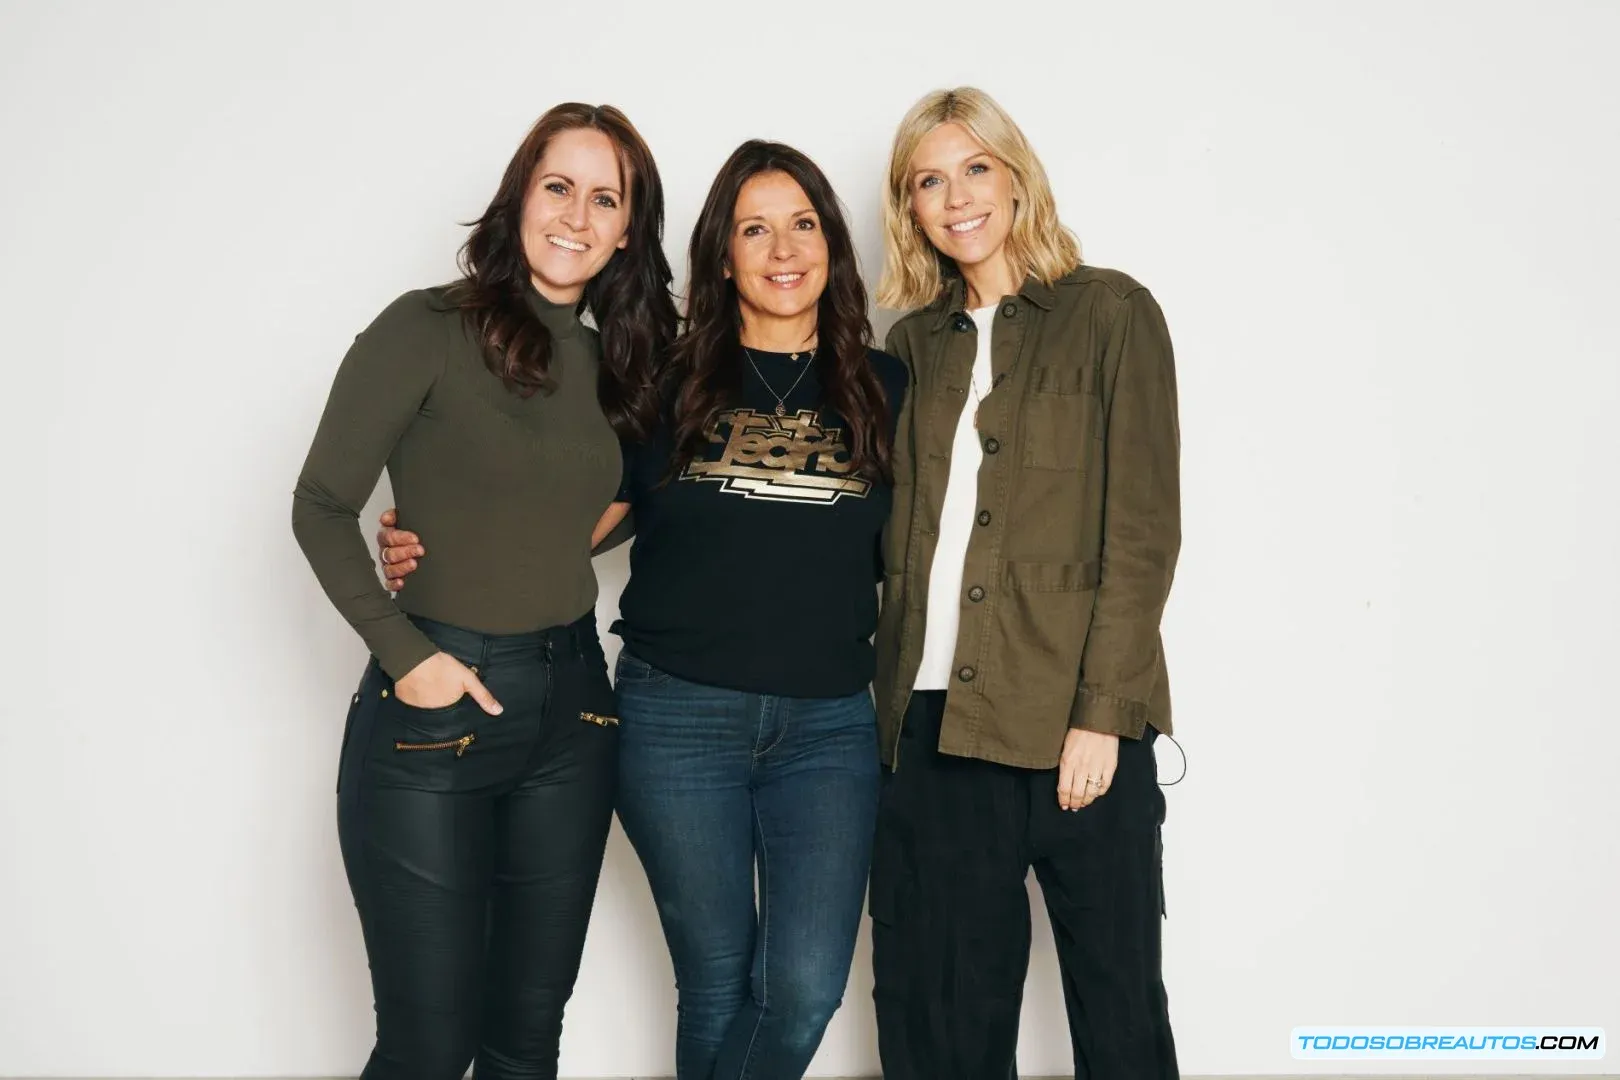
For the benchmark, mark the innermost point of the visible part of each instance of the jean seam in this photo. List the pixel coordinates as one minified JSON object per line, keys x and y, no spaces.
{"x":782,"y":725}
{"x":764,"y":944}
{"x":653,"y":677}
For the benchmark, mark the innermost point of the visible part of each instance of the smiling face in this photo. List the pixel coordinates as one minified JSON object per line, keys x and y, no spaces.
{"x":777,"y":254}
{"x":576,"y":213}
{"x":961,"y":196}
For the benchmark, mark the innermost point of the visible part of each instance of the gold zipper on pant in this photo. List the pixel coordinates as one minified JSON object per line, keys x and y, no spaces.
{"x":458,"y":745}
{"x":600,"y":721}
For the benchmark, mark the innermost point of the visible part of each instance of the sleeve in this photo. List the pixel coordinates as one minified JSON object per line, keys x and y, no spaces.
{"x":1123,"y":684}
{"x":377,"y":392}
{"x":627,"y":475}
{"x":894,"y":344}
{"x":626,"y":528}
{"x":902,"y":461}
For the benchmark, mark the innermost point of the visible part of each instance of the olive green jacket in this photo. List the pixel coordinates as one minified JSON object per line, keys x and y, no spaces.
{"x":1077,"y":527}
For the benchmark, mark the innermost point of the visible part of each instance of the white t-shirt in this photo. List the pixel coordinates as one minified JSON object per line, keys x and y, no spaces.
{"x":956,"y":525}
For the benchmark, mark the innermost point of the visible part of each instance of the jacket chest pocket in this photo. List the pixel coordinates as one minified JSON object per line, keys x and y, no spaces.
{"x":1061,"y":419}
{"x":938,"y":414}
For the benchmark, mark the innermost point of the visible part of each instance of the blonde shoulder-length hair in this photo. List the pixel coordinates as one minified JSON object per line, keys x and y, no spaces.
{"x":1039,"y":245}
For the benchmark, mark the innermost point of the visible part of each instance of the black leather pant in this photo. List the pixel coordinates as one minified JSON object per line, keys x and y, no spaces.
{"x":473,"y":844}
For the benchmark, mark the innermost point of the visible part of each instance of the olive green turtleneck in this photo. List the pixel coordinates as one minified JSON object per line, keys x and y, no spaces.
{"x":503,"y":490}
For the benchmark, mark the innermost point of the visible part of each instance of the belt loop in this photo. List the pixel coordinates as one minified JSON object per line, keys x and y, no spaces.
{"x":483,"y":652}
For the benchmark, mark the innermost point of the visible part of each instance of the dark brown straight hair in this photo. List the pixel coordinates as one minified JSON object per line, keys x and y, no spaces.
{"x":629,"y":298}
{"x":706,"y":361}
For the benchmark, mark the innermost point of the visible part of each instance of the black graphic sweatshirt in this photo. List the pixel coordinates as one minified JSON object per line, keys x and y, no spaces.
{"x":756,"y":568}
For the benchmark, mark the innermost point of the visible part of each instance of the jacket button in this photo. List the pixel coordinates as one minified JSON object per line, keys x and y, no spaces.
{"x":991,"y":446}
{"x":966,"y":674}
{"x":1009,"y":310}
{"x":984,"y":517}
{"x":976,"y":594}
{"x":962,"y":324}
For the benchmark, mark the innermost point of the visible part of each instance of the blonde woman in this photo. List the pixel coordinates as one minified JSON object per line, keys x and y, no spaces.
{"x":1020,"y":676}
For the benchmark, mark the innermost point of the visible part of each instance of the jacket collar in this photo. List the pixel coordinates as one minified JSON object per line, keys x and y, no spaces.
{"x":953,"y":300}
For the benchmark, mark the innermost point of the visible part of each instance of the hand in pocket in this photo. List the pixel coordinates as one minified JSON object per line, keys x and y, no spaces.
{"x":440,"y":681}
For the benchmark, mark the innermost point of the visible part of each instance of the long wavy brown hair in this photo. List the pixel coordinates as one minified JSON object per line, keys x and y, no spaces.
{"x":629,"y":299}
{"x":706,"y":363}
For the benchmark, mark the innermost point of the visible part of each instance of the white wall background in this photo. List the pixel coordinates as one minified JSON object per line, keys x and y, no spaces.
{"x":1386,"y":238}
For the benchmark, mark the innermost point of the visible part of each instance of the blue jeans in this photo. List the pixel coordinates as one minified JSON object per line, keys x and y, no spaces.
{"x":713,"y":784}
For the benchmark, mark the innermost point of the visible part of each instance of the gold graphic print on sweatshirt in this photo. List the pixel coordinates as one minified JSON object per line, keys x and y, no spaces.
{"x":785,"y":458}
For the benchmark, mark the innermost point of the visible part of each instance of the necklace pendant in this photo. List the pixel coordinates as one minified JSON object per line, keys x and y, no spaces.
{"x":781,"y":410}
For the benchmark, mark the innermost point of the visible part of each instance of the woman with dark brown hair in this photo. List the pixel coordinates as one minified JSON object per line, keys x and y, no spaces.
{"x":748,"y":745}
{"x":477,"y":775}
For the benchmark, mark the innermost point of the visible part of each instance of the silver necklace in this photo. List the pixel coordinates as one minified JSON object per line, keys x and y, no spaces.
{"x":781,"y":399}
{"x":978,"y":398}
